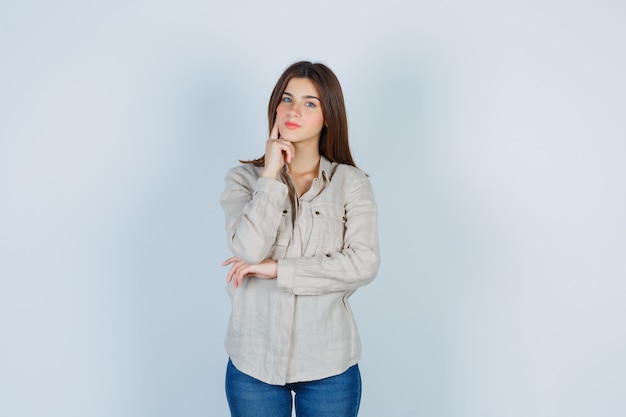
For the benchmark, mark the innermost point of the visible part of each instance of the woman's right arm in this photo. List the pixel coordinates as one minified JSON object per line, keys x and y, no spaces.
{"x":253,"y":209}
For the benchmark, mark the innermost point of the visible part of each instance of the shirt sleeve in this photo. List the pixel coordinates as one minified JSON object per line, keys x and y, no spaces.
{"x":352,"y":267}
{"x":253,"y":210}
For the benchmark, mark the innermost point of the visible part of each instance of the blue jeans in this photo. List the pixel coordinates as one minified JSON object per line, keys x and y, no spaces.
{"x":336,"y":396}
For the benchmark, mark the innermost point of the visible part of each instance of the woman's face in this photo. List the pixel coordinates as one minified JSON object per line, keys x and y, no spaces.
{"x":299,"y":114}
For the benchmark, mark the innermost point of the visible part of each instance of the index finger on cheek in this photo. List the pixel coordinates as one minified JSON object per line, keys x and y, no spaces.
{"x":274,"y":132}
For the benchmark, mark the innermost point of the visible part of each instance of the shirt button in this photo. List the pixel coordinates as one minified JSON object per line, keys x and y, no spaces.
{"x":317,"y":213}
{"x":284,"y":211}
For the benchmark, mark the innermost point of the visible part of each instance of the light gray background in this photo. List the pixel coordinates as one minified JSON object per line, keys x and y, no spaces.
{"x":494,"y":134}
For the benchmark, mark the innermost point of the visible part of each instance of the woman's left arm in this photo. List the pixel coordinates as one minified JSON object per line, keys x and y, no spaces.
{"x":354,"y":266}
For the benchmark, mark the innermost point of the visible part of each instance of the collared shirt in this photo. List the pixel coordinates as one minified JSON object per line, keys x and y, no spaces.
{"x":299,"y":326}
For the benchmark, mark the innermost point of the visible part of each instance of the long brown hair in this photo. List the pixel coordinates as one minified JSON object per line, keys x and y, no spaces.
{"x":334,"y":136}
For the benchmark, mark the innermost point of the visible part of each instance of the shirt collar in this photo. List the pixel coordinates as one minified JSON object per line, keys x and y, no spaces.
{"x":325,"y":168}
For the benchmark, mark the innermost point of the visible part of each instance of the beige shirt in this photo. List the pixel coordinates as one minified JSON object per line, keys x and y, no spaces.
{"x":299,"y":327}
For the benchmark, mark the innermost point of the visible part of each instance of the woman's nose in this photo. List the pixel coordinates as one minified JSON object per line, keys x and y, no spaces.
{"x":295,"y":111}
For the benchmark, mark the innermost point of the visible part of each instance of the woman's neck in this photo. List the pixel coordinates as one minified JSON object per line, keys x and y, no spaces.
{"x":306,"y":161}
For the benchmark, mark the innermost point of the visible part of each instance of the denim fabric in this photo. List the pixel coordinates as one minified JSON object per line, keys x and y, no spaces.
{"x":336,"y":396}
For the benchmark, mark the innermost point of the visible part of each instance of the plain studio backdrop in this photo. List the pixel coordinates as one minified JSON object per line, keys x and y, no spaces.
{"x":494,"y":135}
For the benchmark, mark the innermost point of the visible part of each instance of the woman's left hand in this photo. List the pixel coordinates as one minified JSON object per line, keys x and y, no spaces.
{"x":267,"y":269}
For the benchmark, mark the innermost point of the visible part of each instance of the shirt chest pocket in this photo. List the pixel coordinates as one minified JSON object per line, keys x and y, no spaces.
{"x":283,"y":236}
{"x":328,"y":226}
{"x":279,"y":248}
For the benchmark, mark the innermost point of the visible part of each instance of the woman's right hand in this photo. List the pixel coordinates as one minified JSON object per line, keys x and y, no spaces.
{"x":277,"y":152}
{"x":267,"y":269}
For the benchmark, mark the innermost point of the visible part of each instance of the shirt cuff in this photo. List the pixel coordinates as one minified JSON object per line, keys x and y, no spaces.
{"x":285,"y":274}
{"x":270,"y":185}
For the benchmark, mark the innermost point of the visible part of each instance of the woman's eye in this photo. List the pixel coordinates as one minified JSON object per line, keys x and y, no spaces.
{"x":311,"y":105}
{"x":286,"y":99}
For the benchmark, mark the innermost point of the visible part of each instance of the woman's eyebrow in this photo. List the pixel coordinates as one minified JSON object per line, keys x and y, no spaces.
{"x":307,"y":97}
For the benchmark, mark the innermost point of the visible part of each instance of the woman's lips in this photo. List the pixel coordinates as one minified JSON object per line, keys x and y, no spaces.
{"x":291,"y":126}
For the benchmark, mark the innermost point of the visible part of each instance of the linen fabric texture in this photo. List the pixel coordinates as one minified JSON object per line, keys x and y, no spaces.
{"x":299,"y":327}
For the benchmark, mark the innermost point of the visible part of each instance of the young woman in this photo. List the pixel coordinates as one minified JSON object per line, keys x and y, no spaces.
{"x":301,"y":224}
